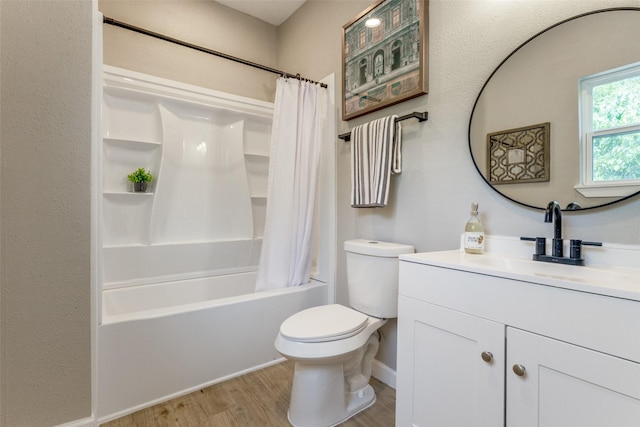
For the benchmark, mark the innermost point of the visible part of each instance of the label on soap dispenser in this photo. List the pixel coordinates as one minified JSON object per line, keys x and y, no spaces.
{"x":474,"y":240}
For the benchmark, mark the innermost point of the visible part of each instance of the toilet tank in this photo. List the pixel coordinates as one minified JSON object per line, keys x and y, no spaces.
{"x":372,"y":276}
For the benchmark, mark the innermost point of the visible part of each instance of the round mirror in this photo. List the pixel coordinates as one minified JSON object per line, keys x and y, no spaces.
{"x":524,"y":133}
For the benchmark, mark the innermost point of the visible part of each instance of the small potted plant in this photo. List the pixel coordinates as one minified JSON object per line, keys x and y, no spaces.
{"x":140,"y":178}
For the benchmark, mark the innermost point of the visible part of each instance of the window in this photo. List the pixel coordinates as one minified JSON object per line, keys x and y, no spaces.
{"x":610,"y":132}
{"x":395,"y":17}
{"x":378,"y":64}
{"x":378,"y":33}
{"x":396,"y":54}
{"x":362,"y":79}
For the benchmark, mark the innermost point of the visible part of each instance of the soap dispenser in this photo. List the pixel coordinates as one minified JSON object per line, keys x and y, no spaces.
{"x":474,"y":233}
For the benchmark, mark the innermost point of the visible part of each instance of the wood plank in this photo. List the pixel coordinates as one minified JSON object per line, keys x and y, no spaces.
{"x":257,"y":399}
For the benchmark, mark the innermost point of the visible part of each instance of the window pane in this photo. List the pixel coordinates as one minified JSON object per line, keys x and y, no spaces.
{"x":616,"y":157}
{"x":616,"y":104}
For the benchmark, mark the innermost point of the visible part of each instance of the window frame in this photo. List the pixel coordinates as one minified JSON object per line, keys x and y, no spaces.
{"x":588,"y":187}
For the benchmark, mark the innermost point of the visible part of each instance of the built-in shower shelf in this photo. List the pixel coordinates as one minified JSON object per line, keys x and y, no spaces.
{"x":126,"y":193}
{"x":129,"y":143}
{"x":211,"y":154}
{"x":126,"y":245}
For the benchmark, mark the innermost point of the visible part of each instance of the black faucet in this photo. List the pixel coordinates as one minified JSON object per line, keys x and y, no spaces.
{"x":554,"y":213}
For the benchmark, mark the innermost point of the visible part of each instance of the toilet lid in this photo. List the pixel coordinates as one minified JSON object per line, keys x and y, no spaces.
{"x":324,"y":323}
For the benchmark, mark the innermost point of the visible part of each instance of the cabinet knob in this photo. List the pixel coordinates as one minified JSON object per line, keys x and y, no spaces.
{"x":519,"y":370}
{"x":487,"y":356}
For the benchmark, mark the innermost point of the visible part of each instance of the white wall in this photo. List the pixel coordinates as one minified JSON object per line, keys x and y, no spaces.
{"x":430,"y":200}
{"x":45,"y":132}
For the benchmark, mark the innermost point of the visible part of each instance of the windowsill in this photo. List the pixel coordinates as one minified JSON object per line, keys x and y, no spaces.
{"x":607,"y":190}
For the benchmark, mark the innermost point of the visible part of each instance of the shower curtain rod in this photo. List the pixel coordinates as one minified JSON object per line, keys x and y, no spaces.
{"x":130,"y":27}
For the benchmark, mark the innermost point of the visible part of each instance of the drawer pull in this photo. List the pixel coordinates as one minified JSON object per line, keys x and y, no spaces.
{"x":487,"y":356}
{"x":519,"y":370}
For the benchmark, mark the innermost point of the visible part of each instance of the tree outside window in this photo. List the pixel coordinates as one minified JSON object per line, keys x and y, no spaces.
{"x":610,"y":122}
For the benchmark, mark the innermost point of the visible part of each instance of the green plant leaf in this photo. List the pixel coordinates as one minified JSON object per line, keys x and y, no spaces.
{"x":140,"y":175}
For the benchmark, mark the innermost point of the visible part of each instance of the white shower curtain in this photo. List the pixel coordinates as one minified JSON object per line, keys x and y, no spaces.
{"x":287,"y":247}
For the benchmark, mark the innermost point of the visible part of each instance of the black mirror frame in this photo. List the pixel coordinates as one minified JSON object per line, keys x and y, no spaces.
{"x":475,"y":104}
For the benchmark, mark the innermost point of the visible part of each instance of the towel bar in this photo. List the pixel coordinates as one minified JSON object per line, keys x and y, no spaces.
{"x":415,"y":115}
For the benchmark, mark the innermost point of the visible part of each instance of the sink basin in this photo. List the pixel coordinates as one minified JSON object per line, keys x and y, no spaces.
{"x":554,"y":271}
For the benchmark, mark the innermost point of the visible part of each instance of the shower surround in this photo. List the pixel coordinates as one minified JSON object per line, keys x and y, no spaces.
{"x":178,"y":262}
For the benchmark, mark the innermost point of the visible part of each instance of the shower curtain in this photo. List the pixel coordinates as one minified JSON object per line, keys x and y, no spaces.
{"x":288,"y":243}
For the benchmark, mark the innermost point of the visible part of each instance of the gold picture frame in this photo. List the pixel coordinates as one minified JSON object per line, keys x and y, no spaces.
{"x":519,"y":155}
{"x":387,"y":63}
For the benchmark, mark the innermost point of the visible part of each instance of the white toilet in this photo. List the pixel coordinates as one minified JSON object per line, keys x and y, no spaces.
{"x":333,"y":345}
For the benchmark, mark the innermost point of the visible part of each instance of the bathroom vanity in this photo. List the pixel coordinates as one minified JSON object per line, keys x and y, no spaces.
{"x":502,"y":340}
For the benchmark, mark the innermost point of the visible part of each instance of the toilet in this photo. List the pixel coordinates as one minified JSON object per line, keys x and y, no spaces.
{"x":333,"y":346}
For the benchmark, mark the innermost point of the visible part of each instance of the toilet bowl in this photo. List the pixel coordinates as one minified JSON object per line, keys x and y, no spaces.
{"x":332,"y":372}
{"x":333,"y":346}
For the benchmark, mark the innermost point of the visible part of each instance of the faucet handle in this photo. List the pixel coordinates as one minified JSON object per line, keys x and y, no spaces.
{"x":575,"y":247}
{"x":541,"y":244}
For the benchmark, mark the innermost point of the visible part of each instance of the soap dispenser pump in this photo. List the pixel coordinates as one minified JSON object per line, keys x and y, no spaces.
{"x":474,"y":233}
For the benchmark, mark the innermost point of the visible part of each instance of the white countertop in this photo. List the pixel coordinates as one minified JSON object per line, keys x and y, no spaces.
{"x":507,"y":261}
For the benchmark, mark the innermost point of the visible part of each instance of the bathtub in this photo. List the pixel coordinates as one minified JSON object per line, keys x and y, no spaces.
{"x":163,"y":340}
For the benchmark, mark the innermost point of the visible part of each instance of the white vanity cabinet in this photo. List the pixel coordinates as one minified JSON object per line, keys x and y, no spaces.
{"x":568,"y":385}
{"x":478,"y":348}
{"x":442,"y":378}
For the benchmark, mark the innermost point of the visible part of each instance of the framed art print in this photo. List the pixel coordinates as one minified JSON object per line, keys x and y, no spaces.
{"x":519,"y":155}
{"x":384,"y":56}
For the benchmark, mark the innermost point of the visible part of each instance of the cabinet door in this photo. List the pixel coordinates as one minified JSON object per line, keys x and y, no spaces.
{"x":566,"y":385}
{"x":442,"y":379}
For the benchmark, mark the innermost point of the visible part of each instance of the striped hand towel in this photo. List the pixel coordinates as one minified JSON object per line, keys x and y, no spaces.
{"x":375,"y":154}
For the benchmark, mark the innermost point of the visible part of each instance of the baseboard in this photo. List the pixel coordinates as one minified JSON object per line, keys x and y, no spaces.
{"x":84,"y":422}
{"x":383,"y":373}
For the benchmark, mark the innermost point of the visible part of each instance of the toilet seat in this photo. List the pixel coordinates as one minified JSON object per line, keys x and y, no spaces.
{"x":323,"y":323}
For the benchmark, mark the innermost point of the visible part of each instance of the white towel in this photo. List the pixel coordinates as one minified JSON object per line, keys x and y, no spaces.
{"x":375,"y":154}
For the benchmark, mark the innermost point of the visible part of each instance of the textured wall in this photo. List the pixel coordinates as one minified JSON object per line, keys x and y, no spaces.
{"x":204,"y":23}
{"x":430,"y":200}
{"x":45,"y":132}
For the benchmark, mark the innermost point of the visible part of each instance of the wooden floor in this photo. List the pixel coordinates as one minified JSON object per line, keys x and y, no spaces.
{"x":257,"y":399}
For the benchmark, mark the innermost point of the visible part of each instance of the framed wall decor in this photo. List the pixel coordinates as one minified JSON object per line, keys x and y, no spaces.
{"x":519,"y":155}
{"x":384,"y":56}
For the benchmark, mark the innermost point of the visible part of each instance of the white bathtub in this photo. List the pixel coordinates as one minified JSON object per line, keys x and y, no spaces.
{"x":164,"y":340}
